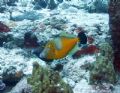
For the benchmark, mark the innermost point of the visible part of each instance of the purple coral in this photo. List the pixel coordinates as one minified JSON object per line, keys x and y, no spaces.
{"x":4,"y":28}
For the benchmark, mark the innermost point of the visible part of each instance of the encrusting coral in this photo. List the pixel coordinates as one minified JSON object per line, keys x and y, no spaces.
{"x":103,"y":70}
{"x":44,"y":80}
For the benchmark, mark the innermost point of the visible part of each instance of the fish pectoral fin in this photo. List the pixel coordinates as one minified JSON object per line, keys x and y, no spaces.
{"x":58,"y":43}
{"x":74,"y":49}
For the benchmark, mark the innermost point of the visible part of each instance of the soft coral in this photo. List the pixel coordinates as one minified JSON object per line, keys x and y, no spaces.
{"x":89,"y":50}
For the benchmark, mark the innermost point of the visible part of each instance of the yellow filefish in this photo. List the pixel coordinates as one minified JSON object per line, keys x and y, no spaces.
{"x":66,"y":45}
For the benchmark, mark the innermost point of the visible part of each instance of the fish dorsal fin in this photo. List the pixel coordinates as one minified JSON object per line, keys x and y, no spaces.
{"x":67,"y":35}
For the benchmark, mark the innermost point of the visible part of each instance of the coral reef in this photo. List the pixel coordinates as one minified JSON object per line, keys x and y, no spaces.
{"x":40,"y":4}
{"x":8,"y":2}
{"x":64,"y":5}
{"x":2,"y":85}
{"x":29,"y":15}
{"x":22,"y":87}
{"x":4,"y":28}
{"x":22,"y":60}
{"x":106,"y":50}
{"x":47,"y":81}
{"x":50,"y":4}
{"x":9,"y":41}
{"x":11,"y":2}
{"x":57,"y":23}
{"x":10,"y":76}
{"x":85,"y":51}
{"x":114,"y":22}
{"x":60,"y":1}
{"x":30,"y":40}
{"x":3,"y":39}
{"x":74,"y":69}
{"x":13,"y":43}
{"x":2,"y":9}
{"x":103,"y":70}
{"x":90,"y":39}
{"x":99,"y":6}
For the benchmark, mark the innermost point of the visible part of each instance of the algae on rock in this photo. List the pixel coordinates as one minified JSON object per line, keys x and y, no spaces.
{"x":45,"y":80}
{"x":103,"y":69}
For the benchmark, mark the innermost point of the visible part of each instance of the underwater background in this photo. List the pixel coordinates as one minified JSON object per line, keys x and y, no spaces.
{"x":25,"y":28}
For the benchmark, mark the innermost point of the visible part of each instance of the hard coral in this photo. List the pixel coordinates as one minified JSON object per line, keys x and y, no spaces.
{"x":4,"y":28}
{"x":103,"y":70}
{"x":47,"y":81}
{"x":106,"y":50}
{"x":89,"y":50}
